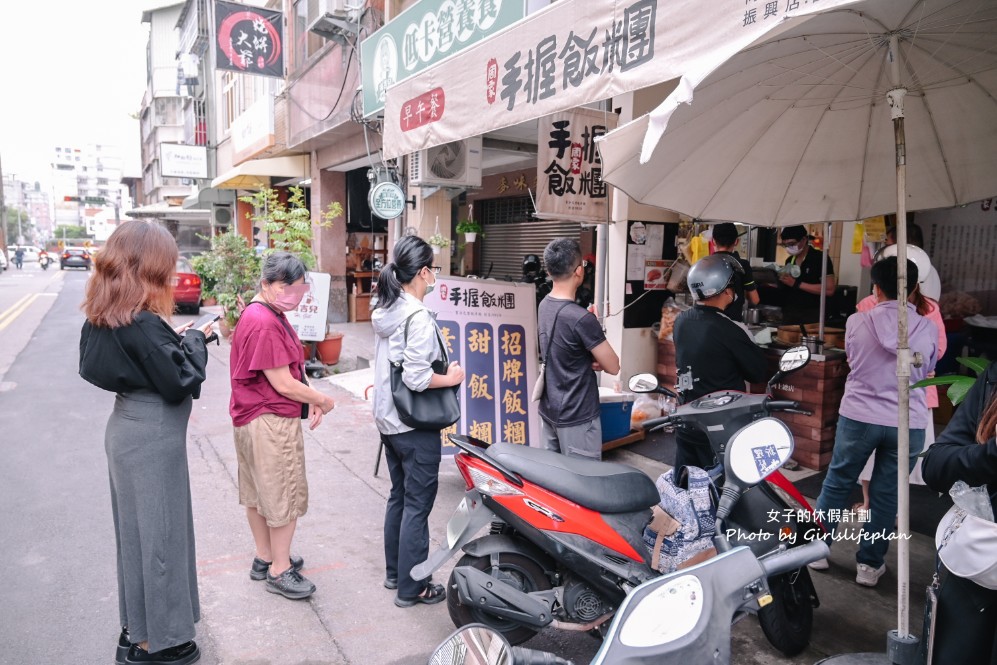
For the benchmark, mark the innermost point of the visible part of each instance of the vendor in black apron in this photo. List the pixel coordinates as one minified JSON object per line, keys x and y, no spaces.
{"x":801,"y":302}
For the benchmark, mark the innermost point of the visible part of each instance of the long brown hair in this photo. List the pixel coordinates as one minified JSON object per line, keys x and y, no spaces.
{"x":132,"y":273}
{"x":988,"y":420}
{"x":921,"y":302}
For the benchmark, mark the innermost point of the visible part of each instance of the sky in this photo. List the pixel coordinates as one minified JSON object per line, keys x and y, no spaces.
{"x":74,"y":71}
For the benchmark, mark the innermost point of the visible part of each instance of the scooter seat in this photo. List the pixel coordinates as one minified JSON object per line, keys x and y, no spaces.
{"x":606,"y":487}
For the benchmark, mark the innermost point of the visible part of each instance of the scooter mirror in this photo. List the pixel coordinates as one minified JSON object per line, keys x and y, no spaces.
{"x":474,"y":644}
{"x":793,"y":359}
{"x":758,"y":449}
{"x":643,"y":383}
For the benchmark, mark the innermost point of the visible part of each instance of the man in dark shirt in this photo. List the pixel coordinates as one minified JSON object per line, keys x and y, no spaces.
{"x":802,"y":294}
{"x":573,"y":345}
{"x":725,"y":240}
{"x":711,"y":352}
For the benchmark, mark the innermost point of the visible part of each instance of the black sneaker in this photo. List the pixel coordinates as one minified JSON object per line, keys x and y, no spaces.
{"x":124,"y":644}
{"x":182,"y":654}
{"x":260,"y":567}
{"x":290,"y":584}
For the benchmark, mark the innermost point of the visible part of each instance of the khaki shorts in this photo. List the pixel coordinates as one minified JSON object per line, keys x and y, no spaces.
{"x":271,"y":453}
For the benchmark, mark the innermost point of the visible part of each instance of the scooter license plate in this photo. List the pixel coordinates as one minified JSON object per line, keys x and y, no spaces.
{"x":458,"y":522}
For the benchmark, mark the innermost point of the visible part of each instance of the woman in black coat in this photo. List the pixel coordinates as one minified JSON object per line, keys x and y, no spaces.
{"x":966,"y":623}
{"x":128,"y":347}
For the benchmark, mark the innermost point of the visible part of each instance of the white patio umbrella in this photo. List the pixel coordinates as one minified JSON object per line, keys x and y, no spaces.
{"x":808,"y":125}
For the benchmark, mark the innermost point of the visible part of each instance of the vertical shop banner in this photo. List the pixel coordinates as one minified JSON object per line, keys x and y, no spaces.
{"x":569,"y":167}
{"x":573,"y":52}
{"x":308,"y":320}
{"x":249,"y":39}
{"x":490,"y":328}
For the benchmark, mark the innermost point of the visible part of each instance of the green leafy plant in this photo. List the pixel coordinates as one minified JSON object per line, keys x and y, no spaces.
{"x":289,"y":226}
{"x":234,"y":269}
{"x":468,"y":226}
{"x":202,"y":265}
{"x":438,"y":240}
{"x":958,"y":384}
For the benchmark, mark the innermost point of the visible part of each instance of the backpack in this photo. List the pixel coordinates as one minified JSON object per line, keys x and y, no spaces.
{"x":683,"y":524}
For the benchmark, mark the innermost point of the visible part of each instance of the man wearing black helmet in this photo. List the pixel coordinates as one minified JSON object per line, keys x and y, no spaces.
{"x":711,"y":351}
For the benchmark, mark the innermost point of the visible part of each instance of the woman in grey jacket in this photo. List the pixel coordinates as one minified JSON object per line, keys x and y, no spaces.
{"x":413,"y":456}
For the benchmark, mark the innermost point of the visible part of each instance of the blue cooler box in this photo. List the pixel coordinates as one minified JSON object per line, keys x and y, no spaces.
{"x":615,"y":417}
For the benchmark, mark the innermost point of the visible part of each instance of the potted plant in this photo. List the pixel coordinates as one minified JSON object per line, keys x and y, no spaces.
{"x":469,"y":228}
{"x":438,"y":241}
{"x":234,"y":268}
{"x":289,"y":225}
{"x":330,"y":348}
{"x":289,"y":229}
{"x":202,"y":266}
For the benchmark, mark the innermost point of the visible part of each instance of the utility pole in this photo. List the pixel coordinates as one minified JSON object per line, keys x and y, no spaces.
{"x":3,"y":217}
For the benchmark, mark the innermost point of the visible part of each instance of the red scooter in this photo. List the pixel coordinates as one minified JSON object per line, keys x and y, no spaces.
{"x":565,"y":541}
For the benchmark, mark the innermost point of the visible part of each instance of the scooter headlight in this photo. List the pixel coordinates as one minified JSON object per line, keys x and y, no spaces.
{"x":667,"y":613}
{"x":490,"y":486}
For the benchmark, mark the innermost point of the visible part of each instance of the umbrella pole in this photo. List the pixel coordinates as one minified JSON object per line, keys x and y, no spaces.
{"x":823,"y":283}
{"x":895,"y":97}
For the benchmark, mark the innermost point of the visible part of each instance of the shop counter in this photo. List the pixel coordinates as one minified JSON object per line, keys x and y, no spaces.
{"x":818,"y":387}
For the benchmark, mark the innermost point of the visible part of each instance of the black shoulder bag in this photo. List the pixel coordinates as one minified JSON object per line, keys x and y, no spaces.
{"x":541,"y":385}
{"x":304,"y":405}
{"x":432,"y":408}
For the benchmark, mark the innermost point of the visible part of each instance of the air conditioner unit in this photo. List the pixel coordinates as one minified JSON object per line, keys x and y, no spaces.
{"x":456,"y":164}
{"x":332,"y":19}
{"x":221,"y":215}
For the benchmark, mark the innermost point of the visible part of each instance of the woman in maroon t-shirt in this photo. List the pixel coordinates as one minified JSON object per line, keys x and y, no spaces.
{"x":268,"y":391}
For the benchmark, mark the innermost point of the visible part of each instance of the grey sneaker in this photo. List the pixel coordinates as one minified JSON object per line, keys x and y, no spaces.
{"x":260,"y":567}
{"x":290,"y":584}
{"x":867,"y":575}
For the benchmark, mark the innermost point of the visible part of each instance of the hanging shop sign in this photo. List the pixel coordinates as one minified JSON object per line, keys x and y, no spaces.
{"x":575,"y":52}
{"x":308,"y":319}
{"x":569,"y":168}
{"x":424,"y":34}
{"x":183,"y":161}
{"x":490,"y":328}
{"x":249,"y":39}
{"x":386,"y":200}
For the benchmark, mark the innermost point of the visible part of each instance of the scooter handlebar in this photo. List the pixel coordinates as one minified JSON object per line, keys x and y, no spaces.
{"x":523,"y":656}
{"x":652,"y":423}
{"x":793,"y":558}
{"x":787,"y":405}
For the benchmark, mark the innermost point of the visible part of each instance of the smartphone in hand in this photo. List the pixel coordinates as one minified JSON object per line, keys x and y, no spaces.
{"x":205,"y":320}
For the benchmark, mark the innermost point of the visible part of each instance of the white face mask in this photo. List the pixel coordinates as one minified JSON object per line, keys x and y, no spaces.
{"x":430,"y":287}
{"x":795,"y":250}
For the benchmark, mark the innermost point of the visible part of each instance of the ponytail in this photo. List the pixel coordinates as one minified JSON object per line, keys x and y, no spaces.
{"x":411,"y":255}
{"x":388,"y":287}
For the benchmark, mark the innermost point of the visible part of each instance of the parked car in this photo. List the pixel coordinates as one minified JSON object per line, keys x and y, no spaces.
{"x":75,"y":257}
{"x":187,"y":292}
{"x":3,"y":262}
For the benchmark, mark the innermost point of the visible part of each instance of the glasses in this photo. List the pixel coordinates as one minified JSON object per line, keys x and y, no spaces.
{"x":436,"y":269}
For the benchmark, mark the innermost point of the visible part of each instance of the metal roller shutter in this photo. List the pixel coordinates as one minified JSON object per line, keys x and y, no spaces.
{"x":511,"y":233}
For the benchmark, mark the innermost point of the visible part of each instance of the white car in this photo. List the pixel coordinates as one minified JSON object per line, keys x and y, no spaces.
{"x":3,"y":262}
{"x":30,"y":253}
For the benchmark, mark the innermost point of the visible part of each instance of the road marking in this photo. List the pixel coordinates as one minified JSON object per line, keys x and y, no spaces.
{"x":7,"y":317}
